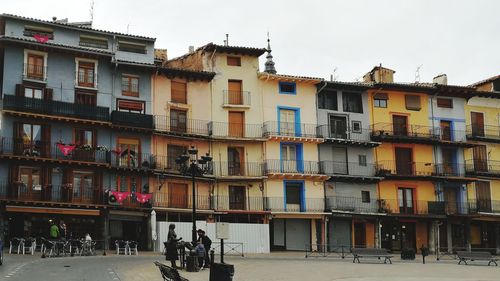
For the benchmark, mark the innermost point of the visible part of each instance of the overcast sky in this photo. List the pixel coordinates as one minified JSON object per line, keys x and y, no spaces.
{"x":313,"y":37}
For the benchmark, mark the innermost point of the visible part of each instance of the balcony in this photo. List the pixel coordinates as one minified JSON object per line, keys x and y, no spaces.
{"x":274,"y":166}
{"x":55,"y":108}
{"x":419,"y":170}
{"x":132,"y":119}
{"x":167,"y":164}
{"x":290,"y":130}
{"x":487,"y":168}
{"x":349,"y":171}
{"x":411,"y":207}
{"x":181,"y":126}
{"x":238,"y":99}
{"x":232,"y":203}
{"x":38,"y":150}
{"x":131,"y":160}
{"x":484,"y":206}
{"x":164,"y":200}
{"x":480,"y":132}
{"x":351,"y":204}
{"x":65,"y":194}
{"x":347,"y":136}
{"x":238,"y":170}
{"x":279,"y":204}
{"x":234,"y":130}
{"x":417,"y":134}
{"x":35,"y":72}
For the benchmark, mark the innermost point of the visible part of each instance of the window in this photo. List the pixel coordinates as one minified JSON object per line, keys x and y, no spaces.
{"x":33,"y":93}
{"x":405,"y":198}
{"x":88,"y":98}
{"x":86,"y":74}
{"x":445,"y":103}
{"x":352,"y":102}
{"x":38,"y":32}
{"x":130,"y":106}
{"x":412,"y":102}
{"x":380,"y":100}
{"x":362,"y":160}
{"x":128,"y":183}
{"x":293,"y":193}
{"x":234,"y":92}
{"x":130,"y":85}
{"x":131,"y":47}
{"x":289,"y":158}
{"x":35,"y":68}
{"x":365,"y":196}
{"x":237,"y":198}
{"x":287,"y":122}
{"x":287,"y":88}
{"x":174,"y":151}
{"x":178,"y":120}
{"x":93,"y":42}
{"x":233,"y":61}
{"x":496,"y":85}
{"x":327,"y":100}
{"x":129,"y":152}
{"x":84,"y":137}
{"x":179,"y":92}
{"x":356,"y":127}
{"x":83,"y":186}
{"x":31,"y":179}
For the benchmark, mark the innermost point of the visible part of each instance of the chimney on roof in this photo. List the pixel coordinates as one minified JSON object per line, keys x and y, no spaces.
{"x":441,"y":79}
{"x":191,"y":49}
{"x":54,"y":18}
{"x":379,"y":74}
{"x":161,"y":54}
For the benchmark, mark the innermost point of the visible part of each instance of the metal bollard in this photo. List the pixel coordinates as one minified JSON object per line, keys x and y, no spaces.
{"x":212,"y":256}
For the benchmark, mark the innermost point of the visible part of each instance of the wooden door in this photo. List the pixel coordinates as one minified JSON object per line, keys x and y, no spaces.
{"x":234,"y":93}
{"x":236,"y":197}
{"x":405,"y":200}
{"x":35,"y":67}
{"x":448,"y":159}
{"x":359,"y":235}
{"x":235,"y":161}
{"x":480,"y":158}
{"x":236,"y":121}
{"x":477,"y":122}
{"x":31,"y":187}
{"x":178,"y":195}
{"x":178,"y":120}
{"x":83,"y":186}
{"x":483,"y":196}
{"x":445,"y":130}
{"x":400,"y":125}
{"x":338,"y":127}
{"x":450,"y":197}
{"x":404,"y":162}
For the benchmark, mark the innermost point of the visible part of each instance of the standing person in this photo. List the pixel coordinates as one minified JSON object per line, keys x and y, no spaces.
{"x":54,"y":230}
{"x":207,"y":243}
{"x":200,"y":252}
{"x":62,"y":229}
{"x":172,"y":240}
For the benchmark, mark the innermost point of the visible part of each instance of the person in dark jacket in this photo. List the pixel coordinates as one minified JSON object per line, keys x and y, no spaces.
{"x":207,"y":243}
{"x":171,"y":253}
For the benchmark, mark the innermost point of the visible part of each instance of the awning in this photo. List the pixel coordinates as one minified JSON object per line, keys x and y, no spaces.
{"x":61,"y":211}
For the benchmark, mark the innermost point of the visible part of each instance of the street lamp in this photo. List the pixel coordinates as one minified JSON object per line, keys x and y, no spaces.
{"x":193,"y":166}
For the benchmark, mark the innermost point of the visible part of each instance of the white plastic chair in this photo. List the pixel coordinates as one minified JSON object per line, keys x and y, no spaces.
{"x":29,"y":246}
{"x":121,"y":247}
{"x":15,"y":243}
{"x":132,"y":248}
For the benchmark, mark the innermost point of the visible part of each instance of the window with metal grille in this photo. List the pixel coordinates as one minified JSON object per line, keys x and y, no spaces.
{"x":365,"y":196}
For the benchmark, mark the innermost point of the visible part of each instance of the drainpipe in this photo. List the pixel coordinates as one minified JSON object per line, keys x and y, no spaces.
{"x":437,"y":186}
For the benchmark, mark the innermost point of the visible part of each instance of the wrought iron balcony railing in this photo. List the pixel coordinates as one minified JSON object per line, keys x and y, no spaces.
{"x":347,"y":168}
{"x":56,"y":108}
{"x":132,"y":119}
{"x":419,"y":169}
{"x":35,"y":72}
{"x":234,"y":203}
{"x":290,"y":129}
{"x":387,"y":131}
{"x":291,"y":166}
{"x":236,"y":98}
{"x":166,"y":200}
{"x":479,"y":166}
{"x":343,"y":133}
{"x":280,"y":204}
{"x":234,"y":130}
{"x":182,"y":126}
{"x":237,"y":169}
{"x":483,"y":132}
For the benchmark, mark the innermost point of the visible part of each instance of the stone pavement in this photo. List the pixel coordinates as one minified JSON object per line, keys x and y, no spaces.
{"x":273,"y":267}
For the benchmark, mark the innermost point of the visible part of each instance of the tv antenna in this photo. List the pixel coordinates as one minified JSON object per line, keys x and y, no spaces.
{"x":334,"y":76}
{"x":417,"y":74}
{"x":91,"y":11}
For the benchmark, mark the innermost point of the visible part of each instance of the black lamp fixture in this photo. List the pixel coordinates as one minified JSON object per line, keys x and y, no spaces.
{"x":191,"y":165}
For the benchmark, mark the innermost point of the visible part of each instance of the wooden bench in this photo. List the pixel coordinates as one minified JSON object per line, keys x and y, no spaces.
{"x":371,"y":253}
{"x":168,"y":273}
{"x":464,"y":256}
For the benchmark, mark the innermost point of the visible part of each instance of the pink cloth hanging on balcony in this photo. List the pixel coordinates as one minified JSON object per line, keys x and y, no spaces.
{"x":143,"y":198}
{"x":41,"y":38}
{"x":65,"y":149}
{"x":120,"y":196}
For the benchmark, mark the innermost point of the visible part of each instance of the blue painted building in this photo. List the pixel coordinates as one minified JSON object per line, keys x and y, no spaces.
{"x":75,"y":124}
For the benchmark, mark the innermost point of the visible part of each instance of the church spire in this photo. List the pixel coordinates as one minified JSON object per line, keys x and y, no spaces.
{"x":269,"y":65}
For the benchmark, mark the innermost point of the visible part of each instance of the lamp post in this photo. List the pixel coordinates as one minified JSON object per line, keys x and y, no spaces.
{"x":193,"y":166}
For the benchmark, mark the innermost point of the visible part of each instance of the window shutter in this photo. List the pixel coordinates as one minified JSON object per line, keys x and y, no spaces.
{"x":178,"y":92}
{"x":381,"y":96}
{"x":412,"y":102}
{"x":46,"y":176}
{"x":13,"y":177}
{"x":97,"y":186}
{"x":48,"y":94}
{"x":46,"y":145}
{"x":20,"y":90}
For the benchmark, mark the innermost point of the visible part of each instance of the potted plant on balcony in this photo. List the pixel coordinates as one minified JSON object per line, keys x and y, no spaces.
{"x":383,"y":207}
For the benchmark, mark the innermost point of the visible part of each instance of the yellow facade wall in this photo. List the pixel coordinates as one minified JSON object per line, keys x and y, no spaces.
{"x":275,"y":188}
{"x":310,"y":151}
{"x":423,"y":191}
{"x":161,"y":196}
{"x":396,"y":104}
{"x":421,"y":154}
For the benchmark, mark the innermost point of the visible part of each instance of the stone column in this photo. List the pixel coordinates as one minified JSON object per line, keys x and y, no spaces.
{"x":105,"y":228}
{"x":449,"y":237}
{"x":377,"y":234}
{"x":433,"y":236}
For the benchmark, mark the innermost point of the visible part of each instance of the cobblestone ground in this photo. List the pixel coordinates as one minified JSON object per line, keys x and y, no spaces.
{"x":272,"y":267}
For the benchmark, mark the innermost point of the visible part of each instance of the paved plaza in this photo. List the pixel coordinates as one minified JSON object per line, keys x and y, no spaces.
{"x":272,"y":267}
